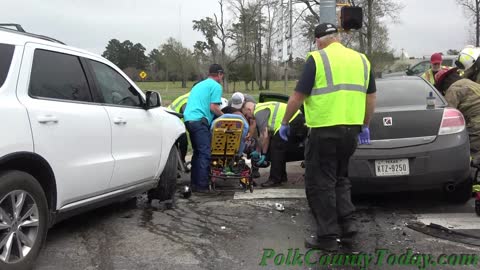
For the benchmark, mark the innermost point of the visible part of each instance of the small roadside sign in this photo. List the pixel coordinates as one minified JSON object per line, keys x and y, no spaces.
{"x":143,"y":74}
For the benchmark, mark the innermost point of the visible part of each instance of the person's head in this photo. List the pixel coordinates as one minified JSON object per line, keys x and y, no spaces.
{"x":446,"y":77}
{"x":325,"y":34}
{"x":467,"y":61}
{"x":216,"y":72}
{"x":436,"y":61}
{"x":238,"y":99}
{"x":248,"y":109}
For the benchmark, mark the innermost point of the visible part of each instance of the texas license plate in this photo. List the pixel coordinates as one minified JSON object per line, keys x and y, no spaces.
{"x":392,"y":167}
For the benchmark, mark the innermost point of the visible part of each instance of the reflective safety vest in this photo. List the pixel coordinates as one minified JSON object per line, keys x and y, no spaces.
{"x":428,"y":75}
{"x":339,"y":93}
{"x":277,"y":112}
{"x":178,"y":103}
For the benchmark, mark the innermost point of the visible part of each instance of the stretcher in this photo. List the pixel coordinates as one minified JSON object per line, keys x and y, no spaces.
{"x":227,"y":161}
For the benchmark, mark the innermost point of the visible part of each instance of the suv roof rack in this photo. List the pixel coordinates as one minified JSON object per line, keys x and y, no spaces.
{"x":19,"y":30}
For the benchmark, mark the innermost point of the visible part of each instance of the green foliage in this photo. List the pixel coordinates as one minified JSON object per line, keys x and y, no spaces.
{"x":126,"y":54}
{"x":179,"y":60}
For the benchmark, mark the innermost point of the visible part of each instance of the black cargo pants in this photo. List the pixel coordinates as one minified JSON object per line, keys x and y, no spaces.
{"x":278,"y":149}
{"x":327,"y":187}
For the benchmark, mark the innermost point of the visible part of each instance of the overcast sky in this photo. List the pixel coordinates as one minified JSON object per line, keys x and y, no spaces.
{"x":425,"y":26}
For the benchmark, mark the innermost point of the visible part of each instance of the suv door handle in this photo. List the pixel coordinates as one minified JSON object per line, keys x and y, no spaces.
{"x":45,"y":119}
{"x":119,"y":121}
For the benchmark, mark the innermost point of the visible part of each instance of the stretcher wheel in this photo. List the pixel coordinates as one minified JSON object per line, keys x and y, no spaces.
{"x":186,"y":192}
{"x":211,"y":186}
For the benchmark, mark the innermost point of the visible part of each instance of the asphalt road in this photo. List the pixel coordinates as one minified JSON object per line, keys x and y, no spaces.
{"x":236,"y":231}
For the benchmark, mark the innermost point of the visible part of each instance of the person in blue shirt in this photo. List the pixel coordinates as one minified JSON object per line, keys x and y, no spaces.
{"x":202,"y":106}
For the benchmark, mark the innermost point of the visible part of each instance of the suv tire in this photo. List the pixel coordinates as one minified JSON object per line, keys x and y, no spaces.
{"x":167,"y":183}
{"x":22,"y":189}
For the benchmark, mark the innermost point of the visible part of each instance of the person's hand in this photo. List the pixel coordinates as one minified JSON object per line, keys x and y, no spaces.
{"x":284,"y":132}
{"x":261,"y":160}
{"x":364,"y":136}
{"x":254,"y":155}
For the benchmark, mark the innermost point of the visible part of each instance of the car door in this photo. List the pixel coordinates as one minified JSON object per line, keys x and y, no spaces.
{"x":69,"y":130}
{"x":136,"y":147}
{"x":420,"y":68}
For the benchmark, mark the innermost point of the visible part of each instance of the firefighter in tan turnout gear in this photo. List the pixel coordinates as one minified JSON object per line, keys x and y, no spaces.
{"x":464,"y":95}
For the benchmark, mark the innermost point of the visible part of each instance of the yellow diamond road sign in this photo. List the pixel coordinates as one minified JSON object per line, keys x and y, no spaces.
{"x":143,"y":74}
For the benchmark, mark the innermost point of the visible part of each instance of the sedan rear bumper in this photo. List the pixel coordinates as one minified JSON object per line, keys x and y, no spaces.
{"x":444,"y":161}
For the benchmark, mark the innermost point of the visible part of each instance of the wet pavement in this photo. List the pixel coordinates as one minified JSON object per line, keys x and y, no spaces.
{"x":230,"y":232}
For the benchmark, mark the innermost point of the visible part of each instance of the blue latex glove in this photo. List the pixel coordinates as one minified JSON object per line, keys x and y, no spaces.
{"x":364,"y":136}
{"x":254,"y":155}
{"x":284,"y":132}
{"x":261,"y":160}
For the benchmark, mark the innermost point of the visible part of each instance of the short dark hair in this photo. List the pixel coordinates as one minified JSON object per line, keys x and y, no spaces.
{"x":230,"y":109}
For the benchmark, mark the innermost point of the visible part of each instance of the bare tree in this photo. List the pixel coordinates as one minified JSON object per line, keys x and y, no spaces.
{"x":244,"y":32}
{"x":472,"y":9}
{"x":222,"y":35}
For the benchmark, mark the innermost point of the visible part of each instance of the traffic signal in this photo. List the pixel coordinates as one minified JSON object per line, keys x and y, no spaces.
{"x":351,"y":17}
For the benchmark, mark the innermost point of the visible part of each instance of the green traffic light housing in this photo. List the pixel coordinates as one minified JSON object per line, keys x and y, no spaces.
{"x":351,"y":18}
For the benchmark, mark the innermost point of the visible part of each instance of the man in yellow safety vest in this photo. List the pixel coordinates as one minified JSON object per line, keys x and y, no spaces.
{"x":337,"y":89}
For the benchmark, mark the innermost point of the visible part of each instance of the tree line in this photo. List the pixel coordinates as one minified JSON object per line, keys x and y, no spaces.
{"x":247,"y":37}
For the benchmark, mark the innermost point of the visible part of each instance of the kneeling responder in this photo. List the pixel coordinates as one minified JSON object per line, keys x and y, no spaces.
{"x":268,"y":117}
{"x":464,"y":95}
{"x":178,"y":106}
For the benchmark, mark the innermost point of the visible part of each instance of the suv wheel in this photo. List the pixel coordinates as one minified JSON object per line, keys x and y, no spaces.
{"x":167,"y":184}
{"x":23,"y":220}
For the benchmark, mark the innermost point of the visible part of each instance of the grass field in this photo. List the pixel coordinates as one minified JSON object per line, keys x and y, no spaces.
{"x":171,"y":90}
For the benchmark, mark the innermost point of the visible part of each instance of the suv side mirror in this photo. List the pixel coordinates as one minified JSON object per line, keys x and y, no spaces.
{"x":153,"y":100}
{"x":409,"y":72}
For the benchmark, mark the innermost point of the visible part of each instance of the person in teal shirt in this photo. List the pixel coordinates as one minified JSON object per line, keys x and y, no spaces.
{"x":202,"y":106}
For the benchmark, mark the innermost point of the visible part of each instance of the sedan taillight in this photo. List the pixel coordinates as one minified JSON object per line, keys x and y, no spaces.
{"x":452,"y":122}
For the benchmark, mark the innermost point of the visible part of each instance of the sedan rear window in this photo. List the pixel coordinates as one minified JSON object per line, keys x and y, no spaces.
{"x":6,"y":54}
{"x":394,"y":93}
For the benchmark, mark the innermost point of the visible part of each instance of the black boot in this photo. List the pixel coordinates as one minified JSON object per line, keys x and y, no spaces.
{"x":270,"y":183}
{"x":349,"y":229}
{"x":325,"y":244}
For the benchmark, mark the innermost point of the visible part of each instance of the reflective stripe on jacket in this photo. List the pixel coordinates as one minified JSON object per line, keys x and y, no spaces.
{"x":277,"y":112}
{"x":339,"y":93}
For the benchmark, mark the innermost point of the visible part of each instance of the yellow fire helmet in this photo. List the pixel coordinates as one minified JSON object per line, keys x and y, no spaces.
{"x":467,"y":57}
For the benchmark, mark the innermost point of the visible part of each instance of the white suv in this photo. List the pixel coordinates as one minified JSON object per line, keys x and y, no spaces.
{"x":77,"y":134}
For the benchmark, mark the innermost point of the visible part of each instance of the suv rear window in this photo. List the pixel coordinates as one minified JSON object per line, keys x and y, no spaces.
{"x":58,"y":76}
{"x":6,"y":54}
{"x":395,"y":93}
